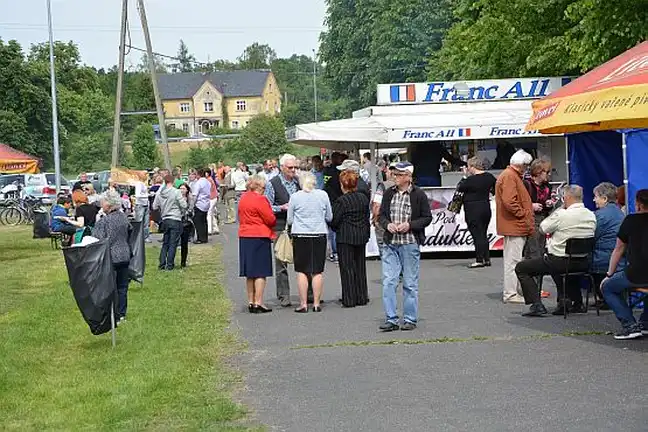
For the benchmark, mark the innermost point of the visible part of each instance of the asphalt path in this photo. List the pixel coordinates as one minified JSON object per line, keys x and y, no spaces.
{"x":473,"y":363}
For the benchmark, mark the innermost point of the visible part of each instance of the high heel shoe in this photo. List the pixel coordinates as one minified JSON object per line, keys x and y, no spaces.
{"x":302,"y":309}
{"x":251,"y":307}
{"x":260,"y":309}
{"x":317,"y":309}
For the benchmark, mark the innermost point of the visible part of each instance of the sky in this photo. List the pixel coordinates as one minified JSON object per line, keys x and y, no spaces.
{"x":212,"y":29}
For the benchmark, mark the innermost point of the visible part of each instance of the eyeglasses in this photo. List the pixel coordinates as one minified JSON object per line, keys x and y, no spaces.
{"x":290,"y":167}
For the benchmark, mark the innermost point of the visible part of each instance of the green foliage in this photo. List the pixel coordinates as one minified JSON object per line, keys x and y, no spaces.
{"x":144,"y":148}
{"x":264,"y":137}
{"x":203,"y":155}
{"x":176,"y":133}
{"x":185,"y":59}
{"x":220,"y":131}
{"x":257,"y":56}
{"x":14,"y":132}
{"x":89,"y":153}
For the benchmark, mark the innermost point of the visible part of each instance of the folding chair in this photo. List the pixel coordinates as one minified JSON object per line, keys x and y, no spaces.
{"x":579,"y":248}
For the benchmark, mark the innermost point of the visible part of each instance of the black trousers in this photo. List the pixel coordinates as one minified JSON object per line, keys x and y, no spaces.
{"x":187,"y":229}
{"x":478,"y":216}
{"x":200,"y":222}
{"x":528,"y":270}
{"x":353,"y":274}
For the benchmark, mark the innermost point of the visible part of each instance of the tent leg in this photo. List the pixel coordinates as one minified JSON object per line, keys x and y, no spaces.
{"x":624,"y":146}
{"x":567,"y":160}
{"x":373,"y":174}
{"x":112,"y":324}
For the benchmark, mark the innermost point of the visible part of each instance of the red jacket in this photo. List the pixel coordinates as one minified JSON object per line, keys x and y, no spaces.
{"x":256,"y":218}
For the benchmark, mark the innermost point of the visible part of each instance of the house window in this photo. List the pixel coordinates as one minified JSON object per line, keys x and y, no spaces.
{"x":277,"y":108}
{"x":171,"y":126}
{"x":270,"y":86}
{"x":267,"y":106}
{"x":185,"y":107}
{"x":185,"y":127}
{"x":235,"y":124}
{"x":241,"y":105}
{"x":209,"y":106}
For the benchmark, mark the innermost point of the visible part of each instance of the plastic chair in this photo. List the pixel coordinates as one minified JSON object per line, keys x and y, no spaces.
{"x":579,"y":248}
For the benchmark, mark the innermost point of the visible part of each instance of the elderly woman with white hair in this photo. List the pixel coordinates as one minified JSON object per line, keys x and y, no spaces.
{"x":115,"y":227}
{"x":309,"y":212}
{"x":515,"y":221}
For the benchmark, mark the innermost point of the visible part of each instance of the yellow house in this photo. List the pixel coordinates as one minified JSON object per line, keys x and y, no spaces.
{"x":197,"y":101}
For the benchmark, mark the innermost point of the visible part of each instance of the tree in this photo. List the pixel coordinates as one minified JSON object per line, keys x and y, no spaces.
{"x":160,"y":65}
{"x":264,"y":137}
{"x":14,"y":132}
{"x":257,"y":56}
{"x":89,"y":153}
{"x":185,"y":59}
{"x":144,"y":148}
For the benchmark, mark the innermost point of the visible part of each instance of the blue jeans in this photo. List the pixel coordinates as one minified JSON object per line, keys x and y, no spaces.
{"x":172,"y":232}
{"x":332,"y":242}
{"x":121,"y":273}
{"x":614,"y":294}
{"x":397,"y":259}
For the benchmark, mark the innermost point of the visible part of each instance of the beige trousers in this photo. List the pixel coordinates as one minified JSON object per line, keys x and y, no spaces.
{"x":513,"y":250}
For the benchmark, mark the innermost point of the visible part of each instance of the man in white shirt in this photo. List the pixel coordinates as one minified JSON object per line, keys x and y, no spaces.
{"x":239,"y":183}
{"x":142,"y":213}
{"x":572,"y":221}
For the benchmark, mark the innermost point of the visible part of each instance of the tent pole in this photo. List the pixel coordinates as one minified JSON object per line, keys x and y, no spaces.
{"x":374,"y":168}
{"x":624,"y":145}
{"x":112,"y":324}
{"x":567,"y":159}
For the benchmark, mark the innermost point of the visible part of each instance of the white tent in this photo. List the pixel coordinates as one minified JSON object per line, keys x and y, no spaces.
{"x":418,"y":123}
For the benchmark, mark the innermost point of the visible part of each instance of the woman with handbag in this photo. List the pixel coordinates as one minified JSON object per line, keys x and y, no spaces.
{"x":187,"y":223}
{"x":309,"y":212}
{"x":476,"y":190}
{"x":256,"y":223}
{"x":351,"y":225}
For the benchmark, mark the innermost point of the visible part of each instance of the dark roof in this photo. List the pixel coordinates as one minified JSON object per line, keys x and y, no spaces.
{"x":231,"y":84}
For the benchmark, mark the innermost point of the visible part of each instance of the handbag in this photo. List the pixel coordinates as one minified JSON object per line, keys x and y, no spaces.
{"x":283,"y":248}
{"x":457,"y":201}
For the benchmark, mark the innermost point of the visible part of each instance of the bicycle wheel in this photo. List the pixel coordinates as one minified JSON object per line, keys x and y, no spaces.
{"x":11,"y":216}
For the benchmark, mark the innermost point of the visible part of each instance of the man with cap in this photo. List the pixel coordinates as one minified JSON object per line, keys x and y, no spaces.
{"x":515,"y":221}
{"x":404,"y":214}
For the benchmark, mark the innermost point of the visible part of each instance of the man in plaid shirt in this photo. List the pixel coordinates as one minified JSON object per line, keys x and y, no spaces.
{"x":404,"y":214}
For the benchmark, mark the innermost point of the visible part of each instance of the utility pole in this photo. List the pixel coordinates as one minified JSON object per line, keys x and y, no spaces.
{"x":156,"y":92}
{"x":315,"y":83}
{"x":120,"y":85}
{"x":55,"y":132}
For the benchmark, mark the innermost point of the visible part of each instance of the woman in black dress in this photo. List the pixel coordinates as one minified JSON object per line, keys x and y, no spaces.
{"x":351,"y":225}
{"x":476,"y":201}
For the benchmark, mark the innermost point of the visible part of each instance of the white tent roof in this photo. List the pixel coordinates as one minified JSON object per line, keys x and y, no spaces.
{"x":411,"y":123}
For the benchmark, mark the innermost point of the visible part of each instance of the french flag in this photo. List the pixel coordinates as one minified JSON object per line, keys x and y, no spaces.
{"x":464,"y":132}
{"x":403,"y":93}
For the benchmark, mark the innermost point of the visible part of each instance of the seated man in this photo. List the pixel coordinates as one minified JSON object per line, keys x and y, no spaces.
{"x":633,"y":241}
{"x":60,"y":215}
{"x":571,"y":221}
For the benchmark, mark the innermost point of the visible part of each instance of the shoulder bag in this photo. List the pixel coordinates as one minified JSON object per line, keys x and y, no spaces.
{"x":283,"y":248}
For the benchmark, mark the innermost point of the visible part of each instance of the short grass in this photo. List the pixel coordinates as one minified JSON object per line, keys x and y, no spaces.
{"x":168,"y":371}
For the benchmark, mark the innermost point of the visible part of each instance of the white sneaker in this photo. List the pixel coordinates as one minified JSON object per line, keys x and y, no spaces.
{"x":516,"y":299}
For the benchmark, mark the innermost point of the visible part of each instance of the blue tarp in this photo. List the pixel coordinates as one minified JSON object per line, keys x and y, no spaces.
{"x":595,"y":157}
{"x":637,"y":153}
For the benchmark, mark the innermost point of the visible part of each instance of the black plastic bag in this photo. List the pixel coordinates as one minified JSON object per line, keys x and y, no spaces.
{"x":41,"y":224}
{"x":93,"y":283}
{"x":137,"y":262}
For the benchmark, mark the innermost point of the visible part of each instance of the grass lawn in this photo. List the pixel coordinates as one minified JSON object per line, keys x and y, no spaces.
{"x":168,"y":371}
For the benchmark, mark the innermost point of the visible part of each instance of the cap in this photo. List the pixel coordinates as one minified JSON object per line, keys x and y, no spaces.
{"x":349,"y":164}
{"x":404,"y":167}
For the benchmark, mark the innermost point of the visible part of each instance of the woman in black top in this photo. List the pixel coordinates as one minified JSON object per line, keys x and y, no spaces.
{"x":476,"y":200}
{"x":351,"y":225}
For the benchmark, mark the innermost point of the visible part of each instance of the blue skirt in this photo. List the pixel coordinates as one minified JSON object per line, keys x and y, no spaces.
{"x":255,"y":257}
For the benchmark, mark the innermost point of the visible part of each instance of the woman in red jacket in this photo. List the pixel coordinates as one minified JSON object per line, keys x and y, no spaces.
{"x":256,"y":222}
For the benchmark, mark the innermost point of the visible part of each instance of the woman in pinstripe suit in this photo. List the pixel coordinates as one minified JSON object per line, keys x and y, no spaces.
{"x":350,"y":222}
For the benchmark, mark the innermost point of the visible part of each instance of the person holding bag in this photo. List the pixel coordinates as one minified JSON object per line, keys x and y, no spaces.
{"x":256,"y":223}
{"x":309,"y":212}
{"x":476,"y":190}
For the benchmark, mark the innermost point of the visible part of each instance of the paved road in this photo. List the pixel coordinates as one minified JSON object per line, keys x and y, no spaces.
{"x":472,"y":364}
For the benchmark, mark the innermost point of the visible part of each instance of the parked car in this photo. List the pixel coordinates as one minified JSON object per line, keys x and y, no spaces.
{"x":100,"y":181}
{"x":41,"y":186}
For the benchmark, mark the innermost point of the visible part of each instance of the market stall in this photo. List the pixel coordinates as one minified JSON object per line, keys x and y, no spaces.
{"x":461,"y":119}
{"x":13,"y":161}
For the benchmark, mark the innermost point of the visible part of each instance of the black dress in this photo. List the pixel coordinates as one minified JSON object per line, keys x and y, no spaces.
{"x":350,"y":222}
{"x":476,"y":199}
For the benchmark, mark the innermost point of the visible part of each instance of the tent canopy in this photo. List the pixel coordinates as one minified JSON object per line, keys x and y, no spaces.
{"x":612,"y":96}
{"x":13,"y":161}
{"x":389,"y":125}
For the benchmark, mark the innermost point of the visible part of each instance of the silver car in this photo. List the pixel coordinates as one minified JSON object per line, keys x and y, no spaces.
{"x":41,"y":186}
